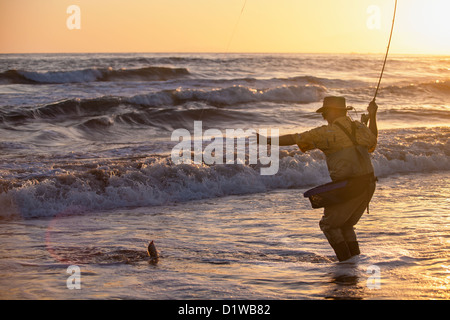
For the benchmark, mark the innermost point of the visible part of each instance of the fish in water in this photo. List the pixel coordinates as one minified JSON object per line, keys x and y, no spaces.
{"x":152,"y":252}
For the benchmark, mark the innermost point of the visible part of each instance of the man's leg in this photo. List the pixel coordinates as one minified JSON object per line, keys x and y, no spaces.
{"x":348,"y":230}
{"x":332,"y":231}
{"x":351,"y":240}
{"x":338,"y":221}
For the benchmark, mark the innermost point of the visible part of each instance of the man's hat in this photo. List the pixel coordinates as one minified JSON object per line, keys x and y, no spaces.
{"x":333,"y":103}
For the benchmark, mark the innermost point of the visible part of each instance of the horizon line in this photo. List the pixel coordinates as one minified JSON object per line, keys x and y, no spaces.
{"x":224,"y":53}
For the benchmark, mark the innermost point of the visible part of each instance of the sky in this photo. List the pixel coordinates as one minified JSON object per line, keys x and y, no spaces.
{"x":306,"y":26}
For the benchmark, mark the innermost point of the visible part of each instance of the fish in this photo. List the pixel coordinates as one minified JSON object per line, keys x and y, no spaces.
{"x":152,"y":252}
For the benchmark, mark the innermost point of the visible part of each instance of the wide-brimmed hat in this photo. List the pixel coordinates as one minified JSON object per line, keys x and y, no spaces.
{"x":333,"y":103}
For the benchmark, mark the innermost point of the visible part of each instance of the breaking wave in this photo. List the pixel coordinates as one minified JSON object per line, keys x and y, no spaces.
{"x":156,"y":180}
{"x":159,"y":107}
{"x":232,"y":96}
{"x":438,"y":89}
{"x":92,"y":75}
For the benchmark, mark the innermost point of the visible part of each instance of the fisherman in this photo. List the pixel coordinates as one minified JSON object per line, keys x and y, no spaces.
{"x":346,"y":145}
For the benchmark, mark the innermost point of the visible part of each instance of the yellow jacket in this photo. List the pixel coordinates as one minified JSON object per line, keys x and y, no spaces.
{"x":344,"y":159}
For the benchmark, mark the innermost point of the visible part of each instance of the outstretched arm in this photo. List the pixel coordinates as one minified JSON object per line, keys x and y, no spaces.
{"x":285,"y":140}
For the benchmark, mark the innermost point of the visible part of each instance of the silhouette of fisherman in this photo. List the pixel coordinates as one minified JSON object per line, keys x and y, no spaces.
{"x":346,"y":145}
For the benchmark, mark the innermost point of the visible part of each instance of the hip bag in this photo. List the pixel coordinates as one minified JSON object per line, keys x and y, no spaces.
{"x":337,"y":192}
{"x":340,"y":191}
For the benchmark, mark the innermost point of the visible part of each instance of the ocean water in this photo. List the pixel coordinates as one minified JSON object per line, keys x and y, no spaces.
{"x":87,"y":179}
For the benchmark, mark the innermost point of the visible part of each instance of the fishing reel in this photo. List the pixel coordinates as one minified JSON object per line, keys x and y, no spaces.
{"x":364,"y":118}
{"x":372,"y":108}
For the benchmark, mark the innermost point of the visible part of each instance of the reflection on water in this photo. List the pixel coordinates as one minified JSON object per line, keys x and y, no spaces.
{"x":244,"y":247}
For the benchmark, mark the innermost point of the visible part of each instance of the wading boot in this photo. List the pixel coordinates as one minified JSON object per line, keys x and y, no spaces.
{"x":342,"y":251}
{"x":353,"y":247}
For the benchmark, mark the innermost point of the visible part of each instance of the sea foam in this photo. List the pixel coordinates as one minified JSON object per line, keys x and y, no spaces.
{"x":156,"y":180}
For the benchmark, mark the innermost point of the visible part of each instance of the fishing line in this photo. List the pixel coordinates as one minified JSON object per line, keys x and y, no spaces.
{"x":387,"y":52}
{"x":231,"y":39}
{"x":365,"y":117}
{"x":235,"y":27}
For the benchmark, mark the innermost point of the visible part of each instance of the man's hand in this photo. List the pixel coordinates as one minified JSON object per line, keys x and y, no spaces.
{"x":372,"y":108}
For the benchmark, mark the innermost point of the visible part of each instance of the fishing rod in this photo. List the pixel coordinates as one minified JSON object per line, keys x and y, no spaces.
{"x":365,"y":117}
{"x":229,"y":41}
{"x":235,"y":26}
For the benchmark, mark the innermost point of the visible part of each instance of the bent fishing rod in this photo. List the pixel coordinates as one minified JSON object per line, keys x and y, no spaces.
{"x":365,"y":117}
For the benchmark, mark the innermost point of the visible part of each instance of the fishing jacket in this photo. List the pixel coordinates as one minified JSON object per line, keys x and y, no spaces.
{"x":346,"y":145}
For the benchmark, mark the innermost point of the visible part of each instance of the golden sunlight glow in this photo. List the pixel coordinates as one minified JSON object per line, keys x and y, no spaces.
{"x":424,"y":26}
{"x":207,"y":26}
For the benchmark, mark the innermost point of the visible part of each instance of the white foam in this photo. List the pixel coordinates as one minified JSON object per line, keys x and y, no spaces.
{"x":158,"y":181}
